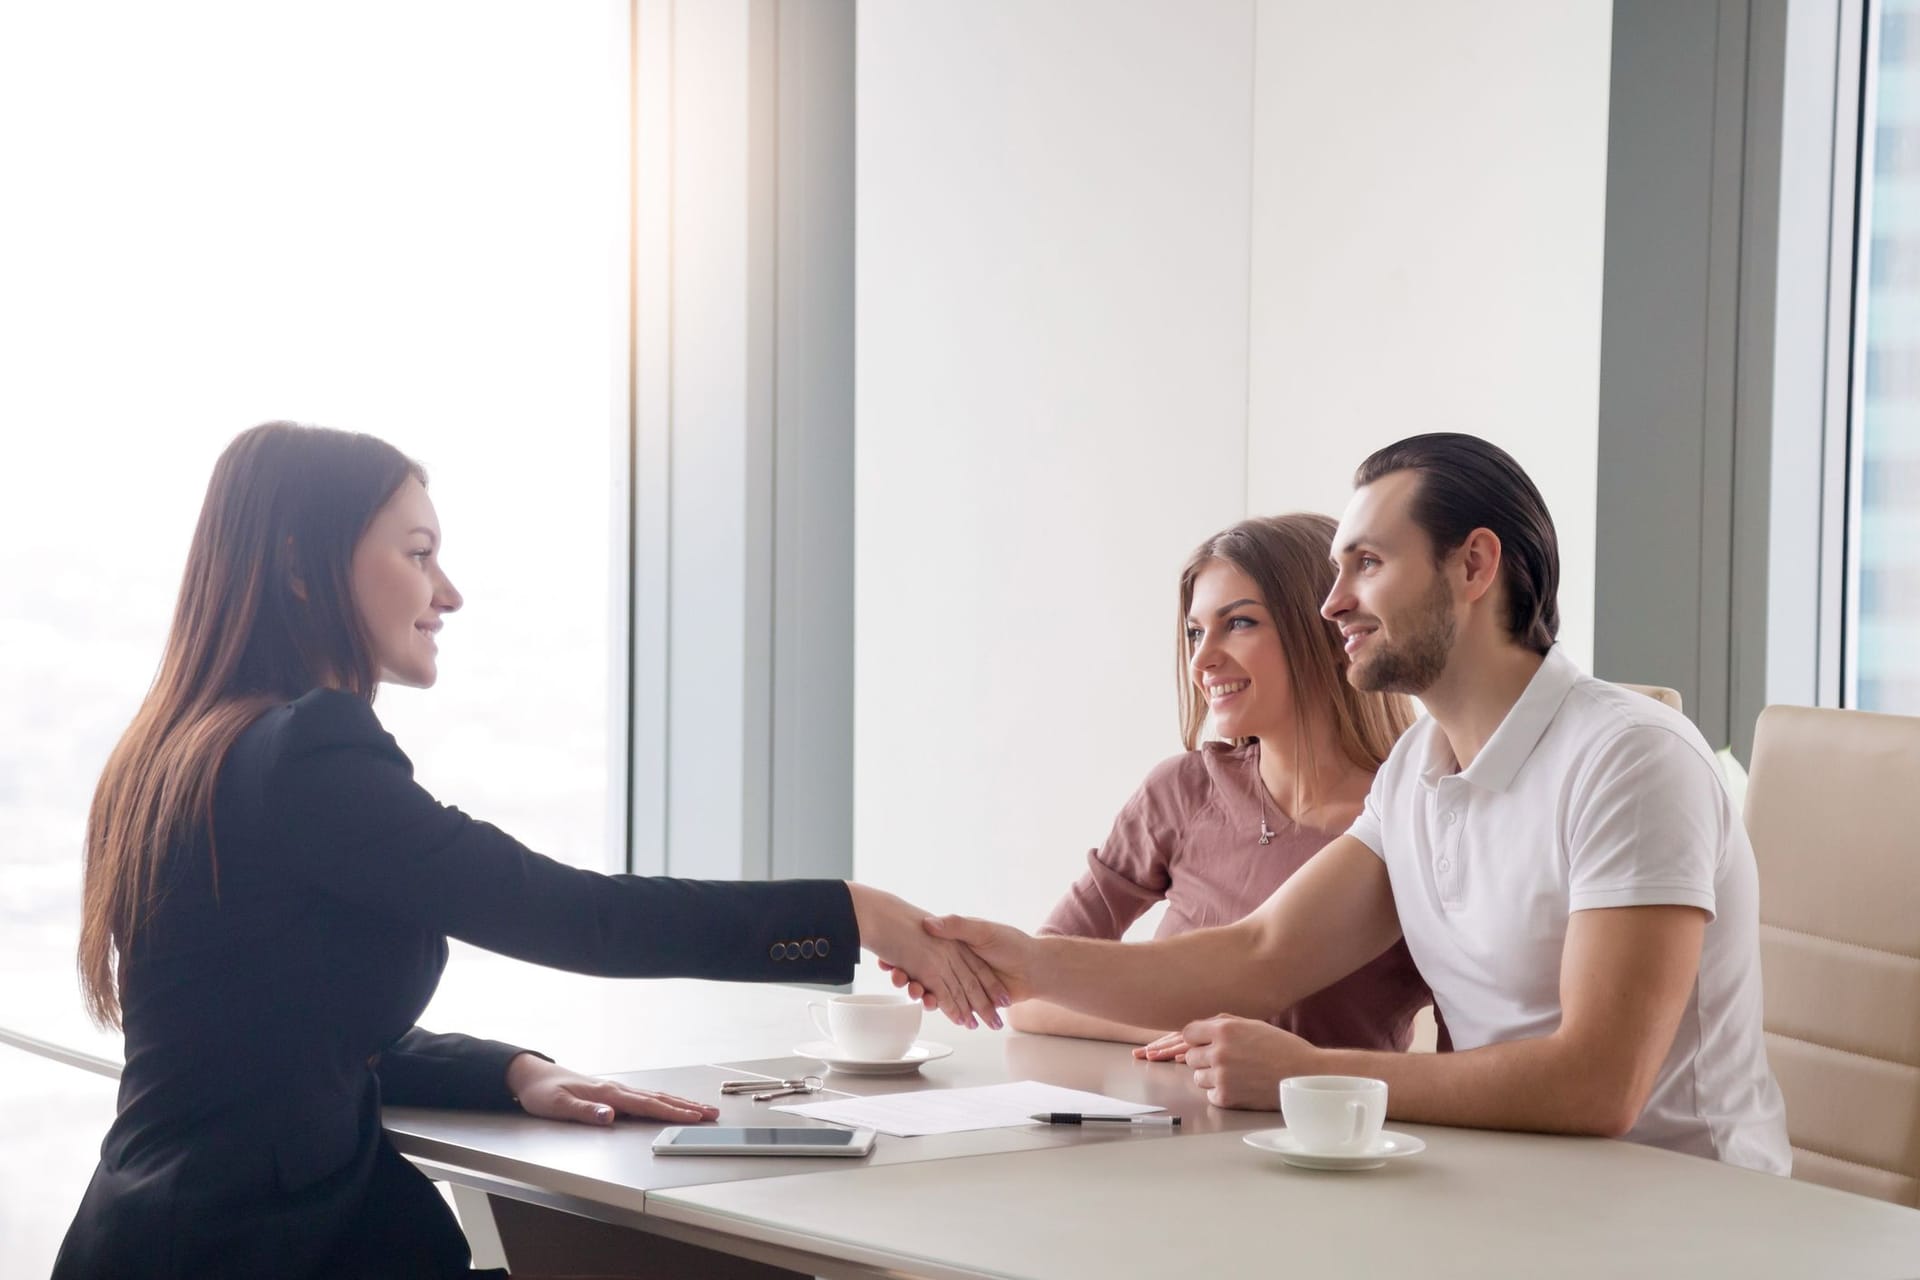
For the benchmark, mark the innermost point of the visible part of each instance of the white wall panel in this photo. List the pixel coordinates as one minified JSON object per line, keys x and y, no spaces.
{"x":1128,"y":271}
{"x":1051,"y":393}
{"x":1429,"y":185}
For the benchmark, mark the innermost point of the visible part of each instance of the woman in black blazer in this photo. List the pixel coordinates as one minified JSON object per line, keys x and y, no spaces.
{"x":269,"y":895}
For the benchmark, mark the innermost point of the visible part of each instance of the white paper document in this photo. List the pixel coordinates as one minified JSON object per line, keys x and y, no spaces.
{"x":992,"y":1106}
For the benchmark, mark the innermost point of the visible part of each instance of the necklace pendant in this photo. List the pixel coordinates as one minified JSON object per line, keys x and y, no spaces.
{"x":1266,"y":836}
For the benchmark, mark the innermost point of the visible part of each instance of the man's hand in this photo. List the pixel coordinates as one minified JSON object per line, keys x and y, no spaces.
{"x":937,"y":971}
{"x":1001,"y":949}
{"x":552,"y":1092}
{"x":1240,"y":1062}
{"x":1011,"y":954}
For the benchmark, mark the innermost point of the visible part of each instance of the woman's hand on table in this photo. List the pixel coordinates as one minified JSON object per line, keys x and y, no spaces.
{"x":1239,"y":1062}
{"x":1171,"y":1047}
{"x":552,"y":1092}
{"x":938,"y":972}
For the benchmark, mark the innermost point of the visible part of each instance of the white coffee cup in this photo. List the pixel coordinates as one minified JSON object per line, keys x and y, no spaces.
{"x":871,"y":1027}
{"x":1333,"y":1115}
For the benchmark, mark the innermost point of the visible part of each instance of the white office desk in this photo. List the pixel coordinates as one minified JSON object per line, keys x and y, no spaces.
{"x":1474,"y":1204}
{"x":608,"y":1175}
{"x":1071,"y":1203}
{"x":1046,"y":1202}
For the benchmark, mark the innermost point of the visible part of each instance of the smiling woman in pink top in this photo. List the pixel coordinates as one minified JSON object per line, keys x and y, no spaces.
{"x":1215,"y":830}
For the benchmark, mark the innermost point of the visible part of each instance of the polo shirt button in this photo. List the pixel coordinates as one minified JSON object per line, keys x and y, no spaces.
{"x":777,"y":951}
{"x":1448,"y":819}
{"x":806,"y":949}
{"x":820,"y":947}
{"x":1444,"y":865}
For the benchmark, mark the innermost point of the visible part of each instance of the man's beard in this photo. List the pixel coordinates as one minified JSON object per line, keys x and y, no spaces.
{"x":1412,"y":665}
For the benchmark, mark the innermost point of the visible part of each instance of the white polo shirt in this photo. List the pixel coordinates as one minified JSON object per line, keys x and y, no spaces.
{"x":1588,"y":795}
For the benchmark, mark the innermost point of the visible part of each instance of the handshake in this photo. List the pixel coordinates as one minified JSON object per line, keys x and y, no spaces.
{"x":968,"y":969}
{"x":971,"y":969}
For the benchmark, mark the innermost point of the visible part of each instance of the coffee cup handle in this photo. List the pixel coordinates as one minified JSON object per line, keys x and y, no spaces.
{"x":817,"y":1012}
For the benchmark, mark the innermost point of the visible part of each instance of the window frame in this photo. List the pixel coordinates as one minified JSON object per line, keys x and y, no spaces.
{"x":1844,"y":476}
{"x":737,"y":416}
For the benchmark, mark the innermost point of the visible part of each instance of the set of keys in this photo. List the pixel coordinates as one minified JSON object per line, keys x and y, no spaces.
{"x":768,"y":1090}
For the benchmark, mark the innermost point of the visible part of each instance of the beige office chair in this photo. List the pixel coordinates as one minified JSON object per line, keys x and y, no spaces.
{"x":1659,"y":693}
{"x":1833,"y":808}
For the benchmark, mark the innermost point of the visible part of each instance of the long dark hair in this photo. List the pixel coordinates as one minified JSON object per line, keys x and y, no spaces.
{"x":1468,"y":484}
{"x":265,"y":614}
{"x":1286,"y":557}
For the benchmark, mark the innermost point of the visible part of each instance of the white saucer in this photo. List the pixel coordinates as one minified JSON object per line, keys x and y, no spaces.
{"x":923,"y":1051}
{"x":1388,"y":1146}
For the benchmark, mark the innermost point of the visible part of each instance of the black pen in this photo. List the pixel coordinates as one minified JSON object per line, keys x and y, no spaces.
{"x":1074,"y":1117}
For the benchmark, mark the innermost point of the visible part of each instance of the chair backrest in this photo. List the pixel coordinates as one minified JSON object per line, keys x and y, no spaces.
{"x":1659,"y":693}
{"x":1833,"y":809}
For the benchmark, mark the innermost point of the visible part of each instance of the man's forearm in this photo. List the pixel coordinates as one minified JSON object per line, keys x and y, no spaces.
{"x":1333,"y":916}
{"x":1168,"y":982}
{"x":1542,"y":1085}
{"x":1625,"y":977}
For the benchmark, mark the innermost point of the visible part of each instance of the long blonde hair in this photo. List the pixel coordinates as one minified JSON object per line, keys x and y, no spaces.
{"x":265,"y":614}
{"x":1287,"y":559}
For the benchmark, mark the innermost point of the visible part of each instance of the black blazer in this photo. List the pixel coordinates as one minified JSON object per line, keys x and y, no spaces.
{"x":269,"y":1004}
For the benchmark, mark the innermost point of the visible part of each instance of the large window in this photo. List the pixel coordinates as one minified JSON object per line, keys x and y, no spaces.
{"x":399,"y":218}
{"x":1882,"y":665}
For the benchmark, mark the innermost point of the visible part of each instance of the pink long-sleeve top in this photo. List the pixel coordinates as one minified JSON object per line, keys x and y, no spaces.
{"x":1191,"y":835}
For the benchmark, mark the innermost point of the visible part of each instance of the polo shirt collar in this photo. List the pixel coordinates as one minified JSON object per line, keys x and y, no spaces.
{"x":1526,"y":722}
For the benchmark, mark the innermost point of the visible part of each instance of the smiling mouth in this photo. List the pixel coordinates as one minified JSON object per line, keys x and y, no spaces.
{"x":1358,"y":637}
{"x":1221,"y":692}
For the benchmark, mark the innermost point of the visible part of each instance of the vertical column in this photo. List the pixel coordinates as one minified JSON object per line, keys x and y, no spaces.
{"x":742,"y":392}
{"x":1674,"y":143}
{"x":811,"y":829}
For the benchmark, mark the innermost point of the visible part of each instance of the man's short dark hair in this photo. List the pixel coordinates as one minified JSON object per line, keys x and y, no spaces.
{"x":1468,"y":484}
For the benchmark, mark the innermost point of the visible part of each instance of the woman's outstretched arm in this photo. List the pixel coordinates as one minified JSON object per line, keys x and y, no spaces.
{"x":343,"y":814}
{"x":1043,"y":1017}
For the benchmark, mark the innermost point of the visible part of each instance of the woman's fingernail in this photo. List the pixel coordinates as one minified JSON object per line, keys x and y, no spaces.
{"x":603,"y":1111}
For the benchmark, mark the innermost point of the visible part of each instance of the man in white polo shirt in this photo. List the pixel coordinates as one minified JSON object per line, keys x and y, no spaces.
{"x":1558,"y":852}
